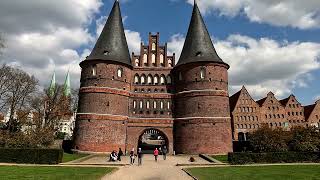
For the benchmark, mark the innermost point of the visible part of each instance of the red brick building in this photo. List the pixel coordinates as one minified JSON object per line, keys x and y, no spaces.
{"x":128,"y":100}
{"x":248,"y":115}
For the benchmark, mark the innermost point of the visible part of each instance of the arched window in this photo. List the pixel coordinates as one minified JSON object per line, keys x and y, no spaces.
{"x":153,"y":46}
{"x":153,"y":58}
{"x":162,"y":80}
{"x":154,"y":104}
{"x":136,"y":79}
{"x":156,"y":79}
{"x":134,"y":104}
{"x":149,"y":79}
{"x":145,"y":59}
{"x":137,"y":62}
{"x":170,"y":62}
{"x":168,"y":105}
{"x":161,"y":104}
{"x":169,"y":79}
{"x":120,"y":72}
{"x":148,"y":105}
{"x":143,"y":79}
{"x":161,"y":60}
{"x":94,"y":70}
{"x":141,"y":104}
{"x":202,"y":72}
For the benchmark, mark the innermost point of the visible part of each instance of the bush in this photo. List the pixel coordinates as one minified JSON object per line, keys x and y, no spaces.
{"x":273,"y":157}
{"x":31,"y":156}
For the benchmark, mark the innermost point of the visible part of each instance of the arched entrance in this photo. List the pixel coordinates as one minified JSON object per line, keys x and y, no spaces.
{"x":151,"y":139}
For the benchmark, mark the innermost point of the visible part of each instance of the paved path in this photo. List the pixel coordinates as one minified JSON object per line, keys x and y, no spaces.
{"x":151,"y":170}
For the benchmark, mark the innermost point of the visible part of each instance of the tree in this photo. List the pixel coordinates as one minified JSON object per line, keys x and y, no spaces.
{"x":16,"y":91}
{"x":305,"y":139}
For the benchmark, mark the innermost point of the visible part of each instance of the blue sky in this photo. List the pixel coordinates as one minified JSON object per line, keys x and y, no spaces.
{"x":270,"y":45}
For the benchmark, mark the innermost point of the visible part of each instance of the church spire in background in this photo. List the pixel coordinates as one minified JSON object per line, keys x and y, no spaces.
{"x":52,"y":87}
{"x":67,"y":86}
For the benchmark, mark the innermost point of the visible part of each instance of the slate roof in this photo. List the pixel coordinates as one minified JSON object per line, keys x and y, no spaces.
{"x":198,"y":46}
{"x":112,"y":44}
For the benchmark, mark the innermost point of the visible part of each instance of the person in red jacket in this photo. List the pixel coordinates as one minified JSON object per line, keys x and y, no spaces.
{"x":156,"y":153}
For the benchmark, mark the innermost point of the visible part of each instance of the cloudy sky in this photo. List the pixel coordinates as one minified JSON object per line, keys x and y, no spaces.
{"x":270,"y":45}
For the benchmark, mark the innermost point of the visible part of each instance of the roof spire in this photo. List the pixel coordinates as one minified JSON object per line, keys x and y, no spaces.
{"x":112,"y":44}
{"x":52,"y":87}
{"x":198,"y":46}
{"x":67,"y":86}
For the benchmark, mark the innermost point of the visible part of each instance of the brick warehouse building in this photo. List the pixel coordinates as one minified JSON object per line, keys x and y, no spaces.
{"x":123,"y":99}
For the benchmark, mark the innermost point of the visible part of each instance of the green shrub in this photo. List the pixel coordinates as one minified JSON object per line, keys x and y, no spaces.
{"x":273,"y":157}
{"x":31,"y":156}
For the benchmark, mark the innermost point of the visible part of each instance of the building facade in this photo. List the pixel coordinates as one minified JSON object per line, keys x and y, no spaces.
{"x":125,"y":98}
{"x":248,"y":115}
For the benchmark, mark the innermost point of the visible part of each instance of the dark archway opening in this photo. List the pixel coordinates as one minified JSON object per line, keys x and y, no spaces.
{"x":151,"y":139}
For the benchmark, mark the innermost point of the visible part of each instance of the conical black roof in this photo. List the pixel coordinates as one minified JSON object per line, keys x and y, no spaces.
{"x":112,"y":44}
{"x":198,"y":46}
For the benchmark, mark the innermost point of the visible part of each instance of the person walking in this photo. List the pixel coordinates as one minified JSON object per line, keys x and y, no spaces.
{"x":120,"y":153}
{"x":164,"y":152}
{"x":139,"y":157}
{"x":156,"y":153}
{"x":132,"y":156}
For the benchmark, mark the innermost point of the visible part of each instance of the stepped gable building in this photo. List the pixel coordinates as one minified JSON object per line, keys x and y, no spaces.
{"x":147,"y":101}
{"x":248,"y":115}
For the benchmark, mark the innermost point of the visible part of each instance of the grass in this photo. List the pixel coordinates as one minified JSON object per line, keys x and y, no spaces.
{"x":221,"y":158}
{"x":280,"y":172}
{"x":41,"y":172}
{"x":70,"y":157}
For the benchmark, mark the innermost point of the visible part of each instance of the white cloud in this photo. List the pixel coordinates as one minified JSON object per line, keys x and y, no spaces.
{"x":264,"y":64}
{"x":175,"y":45}
{"x":299,"y":14}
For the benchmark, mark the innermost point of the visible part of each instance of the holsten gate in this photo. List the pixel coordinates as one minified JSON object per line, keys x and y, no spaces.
{"x":127,"y":101}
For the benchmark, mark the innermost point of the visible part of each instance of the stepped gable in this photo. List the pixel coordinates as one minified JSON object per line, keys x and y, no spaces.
{"x":112,"y":44}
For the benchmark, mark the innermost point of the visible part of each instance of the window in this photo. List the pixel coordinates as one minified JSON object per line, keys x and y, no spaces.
{"x":119,"y":72}
{"x":94,"y":70}
{"x":134,"y":104}
{"x":136,"y":79}
{"x":156,"y":79}
{"x":141,"y":104}
{"x":162,"y":80}
{"x":170,"y":62}
{"x":202,"y":72}
{"x":161,"y":104}
{"x":137,"y":62}
{"x":145,"y":59}
{"x":153,"y":46}
{"x":149,"y":79}
{"x":169,"y":79}
{"x":143,"y":79}
{"x":148,"y":105}
{"x":154,"y":104}
{"x":161,"y":60}
{"x":153,"y":58}
{"x":168,"y":105}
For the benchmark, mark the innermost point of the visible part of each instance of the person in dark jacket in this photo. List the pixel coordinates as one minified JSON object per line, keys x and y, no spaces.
{"x":139,"y":157}
{"x":132,"y":156}
{"x":120,"y":153}
{"x":164,"y":152}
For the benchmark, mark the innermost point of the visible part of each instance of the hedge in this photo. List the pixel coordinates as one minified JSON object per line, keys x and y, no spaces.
{"x":31,"y":156}
{"x":273,"y":157}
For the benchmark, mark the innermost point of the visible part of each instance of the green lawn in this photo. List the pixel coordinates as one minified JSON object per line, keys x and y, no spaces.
{"x":282,"y":172}
{"x":70,"y":157}
{"x":40,"y":172}
{"x":221,"y":158}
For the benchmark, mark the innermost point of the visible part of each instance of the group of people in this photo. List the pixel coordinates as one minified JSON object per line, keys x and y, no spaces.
{"x":114,"y":156}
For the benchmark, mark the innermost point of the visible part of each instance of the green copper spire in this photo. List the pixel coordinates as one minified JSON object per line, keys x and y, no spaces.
{"x":66,"y":86}
{"x":52,"y":87}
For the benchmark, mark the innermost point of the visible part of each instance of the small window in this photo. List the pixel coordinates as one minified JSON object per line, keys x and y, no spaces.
{"x":145,"y":59}
{"x":148,"y":104}
{"x":162,"y":80}
{"x":168,"y":105}
{"x":149,"y":79}
{"x":202,"y":72}
{"x":134,"y":104}
{"x":141,"y":104}
{"x":161,"y":104}
{"x":137,"y":62}
{"x":161,"y":60}
{"x":153,"y":58}
{"x":94,"y":70}
{"x":170,"y":62}
{"x":143,"y":79}
{"x":154,"y":104}
{"x":169,"y":79}
{"x":136,"y":79}
{"x":153,"y":46}
{"x":120,"y":72}
{"x":156,"y":80}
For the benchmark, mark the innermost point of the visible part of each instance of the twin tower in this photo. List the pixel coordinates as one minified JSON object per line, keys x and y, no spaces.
{"x":125,"y":98}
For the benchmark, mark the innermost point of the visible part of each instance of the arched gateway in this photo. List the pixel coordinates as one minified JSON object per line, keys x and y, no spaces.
{"x":152,"y":138}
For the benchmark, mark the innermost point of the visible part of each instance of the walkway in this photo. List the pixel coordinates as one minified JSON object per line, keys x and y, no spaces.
{"x":151,"y":170}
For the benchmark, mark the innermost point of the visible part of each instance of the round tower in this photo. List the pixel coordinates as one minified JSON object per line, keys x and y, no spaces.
{"x":202,"y":116}
{"x":104,"y":91}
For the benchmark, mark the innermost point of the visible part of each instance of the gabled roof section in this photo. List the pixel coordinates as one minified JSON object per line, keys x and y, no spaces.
{"x":198,"y":46}
{"x":285,"y":101}
{"x":308,"y":110}
{"x":261,"y":101}
{"x":233,"y":100}
{"x":112,"y":44}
